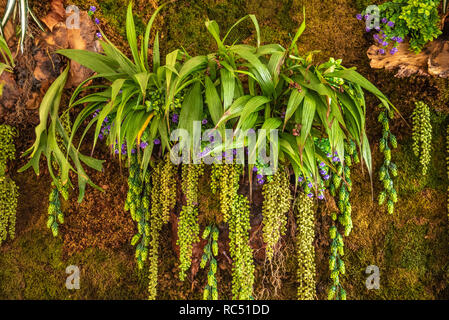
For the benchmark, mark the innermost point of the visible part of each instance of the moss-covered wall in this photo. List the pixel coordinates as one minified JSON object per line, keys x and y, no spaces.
{"x":410,"y":247}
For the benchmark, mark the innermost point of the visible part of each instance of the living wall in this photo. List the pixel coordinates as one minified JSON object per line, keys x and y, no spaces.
{"x":408,"y":246}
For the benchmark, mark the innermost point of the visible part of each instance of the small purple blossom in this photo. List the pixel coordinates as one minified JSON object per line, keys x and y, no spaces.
{"x":335,"y":159}
{"x":254,"y":169}
{"x":358,"y":16}
{"x":322,"y":164}
{"x":384,"y":20}
{"x":366,"y":16}
{"x":133,"y":150}
{"x":390,"y":24}
{"x":394,"y":50}
{"x":310,"y":185}
{"x":321,"y":196}
{"x":310,"y":195}
{"x":157,"y":141}
{"x":382,"y":51}
{"x":323,"y":172}
{"x":175,"y":118}
{"x":204,"y":121}
{"x":283,"y":115}
{"x":300,"y":179}
{"x":97,"y":21}
{"x":93,"y":8}
{"x":99,"y":36}
{"x":116,"y":151}
{"x":259,"y":176}
{"x":260,"y":181}
{"x":100,"y":136}
{"x":384,"y":43}
{"x":326,"y":177}
{"x":399,"y":39}
{"x":328,"y":155}
{"x":367,"y":29}
{"x":143,"y":144}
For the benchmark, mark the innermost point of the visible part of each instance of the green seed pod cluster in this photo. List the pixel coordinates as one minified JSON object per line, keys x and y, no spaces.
{"x":7,"y":147}
{"x":336,"y":265}
{"x":55,"y":214}
{"x":188,"y":225}
{"x":305,"y":235}
{"x":8,"y":206}
{"x":210,"y":252}
{"x":276,"y":204}
{"x":240,"y":250}
{"x":225,"y":181}
{"x":153,"y":190}
{"x":8,"y":189}
{"x":168,"y":189}
{"x":137,"y":202}
{"x":422,"y":134}
{"x":388,"y":170}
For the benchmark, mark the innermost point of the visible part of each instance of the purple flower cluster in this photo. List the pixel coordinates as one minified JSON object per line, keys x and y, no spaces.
{"x":380,"y":37}
{"x":175,"y":118}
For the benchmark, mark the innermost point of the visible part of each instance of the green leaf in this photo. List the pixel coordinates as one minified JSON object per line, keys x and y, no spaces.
{"x":213,"y":101}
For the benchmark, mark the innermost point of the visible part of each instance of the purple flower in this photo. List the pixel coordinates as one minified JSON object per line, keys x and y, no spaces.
{"x":157,"y":141}
{"x":367,"y":29}
{"x":381,"y":51}
{"x":97,"y":21}
{"x":310,"y":185}
{"x":322,"y":164}
{"x":399,"y":39}
{"x":358,"y":16}
{"x":283,"y":115}
{"x":384,"y":43}
{"x":310,"y":195}
{"x":366,"y":16}
{"x":99,"y":36}
{"x":133,"y":150}
{"x":335,"y":159}
{"x":93,"y":8}
{"x":328,"y":155}
{"x":321,"y":197}
{"x":377,"y":28}
{"x":394,"y":50}
{"x":116,"y":151}
{"x":260,"y":181}
{"x":326,"y":177}
{"x":300,"y":179}
{"x":254,"y":169}
{"x":143,"y":144}
{"x":323,"y":172}
{"x":175,"y":118}
{"x":384,"y":20}
{"x":100,"y":136}
{"x":106,"y":119}
{"x":390,"y":24}
{"x":204,"y":121}
{"x":259,"y":176}
{"x":234,"y":152}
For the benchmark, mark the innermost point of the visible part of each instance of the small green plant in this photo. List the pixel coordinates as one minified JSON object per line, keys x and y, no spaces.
{"x":418,"y":20}
{"x":388,"y":170}
{"x":210,"y":252}
{"x":422,"y":135}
